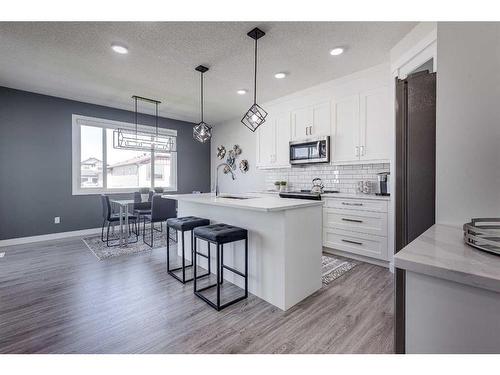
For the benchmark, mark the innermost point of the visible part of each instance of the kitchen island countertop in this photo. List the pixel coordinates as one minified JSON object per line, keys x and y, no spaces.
{"x":255,"y":201}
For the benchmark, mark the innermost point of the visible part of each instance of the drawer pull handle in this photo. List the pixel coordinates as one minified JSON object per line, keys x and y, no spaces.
{"x":353,"y":220}
{"x":354,"y":242}
{"x":352,"y":204}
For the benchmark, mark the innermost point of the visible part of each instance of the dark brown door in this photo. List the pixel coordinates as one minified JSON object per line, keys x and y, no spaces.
{"x":415,"y":174}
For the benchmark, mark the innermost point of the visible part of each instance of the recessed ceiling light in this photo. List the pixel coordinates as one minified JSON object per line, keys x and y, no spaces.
{"x":241,"y":92}
{"x":122,"y":50}
{"x":280,"y":75}
{"x":336,"y":51}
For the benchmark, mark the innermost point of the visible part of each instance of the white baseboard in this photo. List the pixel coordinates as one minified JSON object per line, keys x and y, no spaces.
{"x":48,"y":237}
{"x":378,"y":262}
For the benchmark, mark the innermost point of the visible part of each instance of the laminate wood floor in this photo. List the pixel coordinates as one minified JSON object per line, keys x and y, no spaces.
{"x":56,"y":297}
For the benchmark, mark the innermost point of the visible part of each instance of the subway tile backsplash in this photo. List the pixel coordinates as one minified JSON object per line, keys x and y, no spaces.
{"x":335,"y":177}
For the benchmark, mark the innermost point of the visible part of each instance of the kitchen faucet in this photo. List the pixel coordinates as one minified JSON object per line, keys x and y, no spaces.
{"x":217,"y":176}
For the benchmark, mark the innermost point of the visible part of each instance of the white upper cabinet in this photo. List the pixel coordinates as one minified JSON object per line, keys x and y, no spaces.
{"x":283,"y":127}
{"x":311,"y":121}
{"x":362,"y":127}
{"x":346,"y":124}
{"x":301,"y":122}
{"x":321,"y":119}
{"x":272,"y":141}
{"x":375,"y":134}
{"x":266,"y":143}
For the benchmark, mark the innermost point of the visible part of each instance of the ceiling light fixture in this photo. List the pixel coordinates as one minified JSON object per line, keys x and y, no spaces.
{"x":280,"y":75}
{"x":202,"y":132}
{"x":241,"y":92}
{"x":122,"y":50}
{"x":256,"y":115}
{"x":141,"y":140}
{"x":337,"y":51}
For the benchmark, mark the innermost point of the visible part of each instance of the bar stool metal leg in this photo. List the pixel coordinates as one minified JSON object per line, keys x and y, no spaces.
{"x":183,"y":259}
{"x":221,"y":263}
{"x":246,"y":267}
{"x":218,"y":275}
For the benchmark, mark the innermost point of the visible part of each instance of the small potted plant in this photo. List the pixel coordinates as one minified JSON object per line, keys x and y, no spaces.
{"x":277,"y":185}
{"x":282,"y":185}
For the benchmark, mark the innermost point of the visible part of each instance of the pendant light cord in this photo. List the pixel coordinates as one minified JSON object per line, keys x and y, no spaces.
{"x":135,"y":99}
{"x":201,"y":96}
{"x":255,"y":76}
{"x":156,"y":117}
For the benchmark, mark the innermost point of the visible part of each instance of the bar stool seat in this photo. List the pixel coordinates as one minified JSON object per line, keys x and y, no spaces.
{"x":184,"y":224}
{"x":220,"y":234}
{"x":187,"y":223}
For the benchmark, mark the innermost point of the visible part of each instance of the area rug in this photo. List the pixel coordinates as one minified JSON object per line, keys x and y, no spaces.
{"x":101,"y":251}
{"x":333,"y":267}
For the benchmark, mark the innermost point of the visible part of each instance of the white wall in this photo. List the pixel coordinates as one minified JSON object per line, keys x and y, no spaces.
{"x":234,"y":131}
{"x":228,"y":134}
{"x":468,"y":122}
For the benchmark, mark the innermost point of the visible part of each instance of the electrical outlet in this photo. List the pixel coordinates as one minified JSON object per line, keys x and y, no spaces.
{"x":57,"y":220}
{"x":2,"y":254}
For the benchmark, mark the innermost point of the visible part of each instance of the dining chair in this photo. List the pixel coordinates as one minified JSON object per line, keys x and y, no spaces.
{"x":161,"y":210}
{"x":111,"y":218}
{"x":141,"y":208}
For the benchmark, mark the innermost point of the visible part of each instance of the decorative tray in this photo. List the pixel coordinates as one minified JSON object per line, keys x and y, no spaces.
{"x":483,"y":234}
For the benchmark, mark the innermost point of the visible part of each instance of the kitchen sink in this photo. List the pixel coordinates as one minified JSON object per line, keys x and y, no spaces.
{"x":229,"y":196}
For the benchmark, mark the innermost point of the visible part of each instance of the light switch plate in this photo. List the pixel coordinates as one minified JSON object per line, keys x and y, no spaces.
{"x":2,"y":254}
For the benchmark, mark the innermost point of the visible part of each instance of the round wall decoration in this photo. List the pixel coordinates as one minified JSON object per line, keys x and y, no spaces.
{"x":244,"y":166}
{"x":221,"y":152}
{"x":237,"y":150}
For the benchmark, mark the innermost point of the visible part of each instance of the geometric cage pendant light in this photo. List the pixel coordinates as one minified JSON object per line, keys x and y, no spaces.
{"x":141,"y":140}
{"x":202,"y":132}
{"x":256,"y":115}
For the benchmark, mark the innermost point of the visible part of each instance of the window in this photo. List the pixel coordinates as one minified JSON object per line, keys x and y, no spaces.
{"x":100,"y":168}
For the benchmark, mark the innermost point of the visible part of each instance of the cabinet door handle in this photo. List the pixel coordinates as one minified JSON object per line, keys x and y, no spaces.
{"x":307,"y":127}
{"x":353,"y":220}
{"x":362,"y":150}
{"x":356,"y":150}
{"x":310,"y":130}
{"x":354,"y":242}
{"x":352,"y":204}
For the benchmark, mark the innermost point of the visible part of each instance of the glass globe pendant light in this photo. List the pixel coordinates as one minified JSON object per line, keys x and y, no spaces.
{"x":202,"y":132}
{"x":256,"y":115}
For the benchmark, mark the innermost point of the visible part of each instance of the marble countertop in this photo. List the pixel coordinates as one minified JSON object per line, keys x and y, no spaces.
{"x":257,"y":201}
{"x":441,"y":252}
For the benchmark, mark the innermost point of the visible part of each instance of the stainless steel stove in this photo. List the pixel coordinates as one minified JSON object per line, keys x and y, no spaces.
{"x":305,"y":194}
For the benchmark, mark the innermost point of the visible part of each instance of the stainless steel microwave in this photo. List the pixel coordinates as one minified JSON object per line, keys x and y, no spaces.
{"x":310,"y":150}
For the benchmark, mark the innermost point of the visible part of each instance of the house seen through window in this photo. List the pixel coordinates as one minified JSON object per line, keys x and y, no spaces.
{"x":104,"y":168}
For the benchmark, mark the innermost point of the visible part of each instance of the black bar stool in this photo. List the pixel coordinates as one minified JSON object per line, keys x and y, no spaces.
{"x":184,"y":224}
{"x":220,"y":234}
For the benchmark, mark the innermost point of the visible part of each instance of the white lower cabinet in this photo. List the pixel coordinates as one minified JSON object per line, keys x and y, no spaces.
{"x":356,"y":226}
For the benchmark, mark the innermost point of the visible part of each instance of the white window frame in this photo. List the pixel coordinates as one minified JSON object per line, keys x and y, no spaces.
{"x":77,"y":122}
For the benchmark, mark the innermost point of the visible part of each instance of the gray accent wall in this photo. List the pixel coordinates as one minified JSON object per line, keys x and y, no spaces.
{"x":35,"y":163}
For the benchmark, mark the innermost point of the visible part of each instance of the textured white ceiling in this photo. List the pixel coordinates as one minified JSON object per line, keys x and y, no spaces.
{"x":74,"y":60}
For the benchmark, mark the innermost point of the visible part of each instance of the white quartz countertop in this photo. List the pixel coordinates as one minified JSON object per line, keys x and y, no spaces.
{"x":441,"y":252}
{"x":357,"y":196}
{"x":257,"y":201}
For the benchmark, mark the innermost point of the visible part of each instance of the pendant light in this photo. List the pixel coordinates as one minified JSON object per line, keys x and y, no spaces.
{"x":140,"y":140}
{"x":202,"y":132}
{"x":256,"y":115}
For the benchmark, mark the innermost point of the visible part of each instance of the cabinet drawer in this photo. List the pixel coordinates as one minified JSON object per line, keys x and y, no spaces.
{"x":356,"y":243}
{"x":356,"y":204}
{"x":359,"y":221}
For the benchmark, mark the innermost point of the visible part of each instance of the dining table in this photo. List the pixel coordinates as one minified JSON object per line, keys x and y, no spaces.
{"x":122,"y":206}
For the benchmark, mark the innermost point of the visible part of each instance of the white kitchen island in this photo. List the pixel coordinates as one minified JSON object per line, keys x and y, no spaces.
{"x":284,"y":242}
